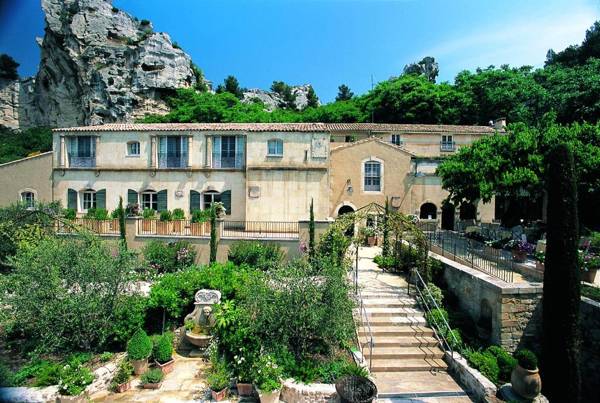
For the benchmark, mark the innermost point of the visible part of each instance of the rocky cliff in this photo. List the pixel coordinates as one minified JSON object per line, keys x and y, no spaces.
{"x":98,"y":65}
{"x":272,"y":100}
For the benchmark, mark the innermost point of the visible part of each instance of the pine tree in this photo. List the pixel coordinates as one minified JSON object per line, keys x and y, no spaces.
{"x":562,"y":293}
{"x":311,"y":232}
{"x":312,"y":100}
{"x":122,"y":229}
{"x":385,"y":248}
{"x":213,"y":234}
{"x":344,"y":93}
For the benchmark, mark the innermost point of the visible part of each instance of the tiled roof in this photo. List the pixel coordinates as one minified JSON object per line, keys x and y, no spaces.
{"x":282,"y":127}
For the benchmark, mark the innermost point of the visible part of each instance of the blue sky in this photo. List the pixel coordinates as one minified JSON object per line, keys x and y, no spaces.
{"x":329,"y":42}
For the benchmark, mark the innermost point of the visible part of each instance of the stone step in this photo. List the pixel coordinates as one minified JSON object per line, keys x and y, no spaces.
{"x":389,"y":303}
{"x":396,"y":331}
{"x":374,"y":312}
{"x":396,"y":321}
{"x":406,"y":341}
{"x":402,"y":353}
{"x":407,"y":365}
{"x":381,"y":294}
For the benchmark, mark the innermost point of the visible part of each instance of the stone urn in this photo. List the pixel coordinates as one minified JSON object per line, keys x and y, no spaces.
{"x":527,"y":383}
{"x":139,"y":366}
{"x":269,"y":397}
{"x":201,"y":318}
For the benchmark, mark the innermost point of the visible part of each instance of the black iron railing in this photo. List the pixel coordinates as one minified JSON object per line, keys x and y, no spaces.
{"x":260,"y":229}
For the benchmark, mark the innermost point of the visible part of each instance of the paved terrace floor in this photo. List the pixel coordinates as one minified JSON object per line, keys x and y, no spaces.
{"x":410,"y":370}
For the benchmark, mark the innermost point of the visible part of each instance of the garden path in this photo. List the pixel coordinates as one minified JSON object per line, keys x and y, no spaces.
{"x":407,"y":363}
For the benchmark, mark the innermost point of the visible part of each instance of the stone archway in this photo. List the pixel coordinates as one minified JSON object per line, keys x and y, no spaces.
{"x":345,"y":209}
{"x":428,"y":211}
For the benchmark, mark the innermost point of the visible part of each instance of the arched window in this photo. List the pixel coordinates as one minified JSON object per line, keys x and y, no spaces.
{"x":88,"y":199}
{"x":275,"y":148}
{"x":133,"y":149}
{"x":150,"y":200}
{"x":372,"y":176}
{"x":28,"y":199}
{"x":210,"y":197}
{"x":428,"y":211}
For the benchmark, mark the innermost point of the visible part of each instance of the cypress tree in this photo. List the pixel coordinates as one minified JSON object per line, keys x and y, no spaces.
{"x":562,"y":293}
{"x":311,"y":232}
{"x":213,"y":234}
{"x":122,"y":230}
{"x":385,"y":249}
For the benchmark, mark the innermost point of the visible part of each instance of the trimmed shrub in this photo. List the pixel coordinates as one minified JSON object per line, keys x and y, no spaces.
{"x":178,"y":214}
{"x":526,"y":359}
{"x":435,"y":292}
{"x":506,"y":362}
{"x":122,"y":375}
{"x":259,"y":255}
{"x":163,"y":348}
{"x":485,"y":363}
{"x":152,"y":376}
{"x":436,"y":317}
{"x":139,"y":346}
{"x":165,"y":215}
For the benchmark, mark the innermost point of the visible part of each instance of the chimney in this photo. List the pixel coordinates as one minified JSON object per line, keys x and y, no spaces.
{"x":500,"y":124}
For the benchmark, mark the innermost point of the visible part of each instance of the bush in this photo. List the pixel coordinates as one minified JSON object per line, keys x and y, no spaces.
{"x":436,"y":318}
{"x":385,"y":262}
{"x":165,"y":215}
{"x":165,"y":257}
{"x":74,"y":379}
{"x":123,"y":374}
{"x":267,"y":374}
{"x":200,"y":216}
{"x":163,"y":348}
{"x":178,"y":214}
{"x":259,"y":255}
{"x":139,"y":346}
{"x":69,"y":213}
{"x":149,"y":214}
{"x":435,"y":292}
{"x":485,"y":363}
{"x":106,"y":356}
{"x":218,"y":376}
{"x":506,"y":363}
{"x":526,"y":359}
{"x":129,"y":316}
{"x":152,"y":376}
{"x":7,"y":378}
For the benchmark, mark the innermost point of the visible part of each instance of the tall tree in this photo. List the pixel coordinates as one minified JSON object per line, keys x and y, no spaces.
{"x":288,"y":98}
{"x":122,"y":228}
{"x":8,"y":67}
{"x":427,"y":68}
{"x":311,"y":232}
{"x":578,"y":54}
{"x":385,"y":248}
{"x":312,"y":100}
{"x":344,"y":93}
{"x":562,"y":294}
{"x":232,"y":86}
{"x":213,"y":234}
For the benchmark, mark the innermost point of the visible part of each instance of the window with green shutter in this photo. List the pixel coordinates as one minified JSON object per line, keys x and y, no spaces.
{"x":194,"y":200}
{"x":132,"y":197}
{"x":72,"y":199}
{"x":161,"y":200}
{"x":101,"y":198}
{"x":226,"y":200}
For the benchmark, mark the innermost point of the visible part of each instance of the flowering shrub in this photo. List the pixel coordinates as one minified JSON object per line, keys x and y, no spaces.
{"x":74,"y":379}
{"x":589,"y":260}
{"x":520,"y":246}
{"x":267,"y":374}
{"x":165,"y":257}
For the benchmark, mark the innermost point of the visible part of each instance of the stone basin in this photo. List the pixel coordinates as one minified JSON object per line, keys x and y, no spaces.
{"x":198,"y":340}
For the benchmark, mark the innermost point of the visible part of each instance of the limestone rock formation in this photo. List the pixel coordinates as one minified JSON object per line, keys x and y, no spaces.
{"x":98,"y":65}
{"x":272,"y":100}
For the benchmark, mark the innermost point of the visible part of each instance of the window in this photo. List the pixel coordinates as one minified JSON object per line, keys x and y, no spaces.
{"x":275,"y":148}
{"x":396,"y":139}
{"x":372,"y":176}
{"x":28,"y":199}
{"x":82,"y":151}
{"x":133,"y":149}
{"x":149,"y":200}
{"x":172,"y":152}
{"x":447,"y":143}
{"x":209,"y":198}
{"x":89,"y":199}
{"x":228,"y":152}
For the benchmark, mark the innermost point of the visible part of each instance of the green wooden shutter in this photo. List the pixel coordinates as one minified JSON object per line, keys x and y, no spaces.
{"x":72,"y":199}
{"x":161,"y":200}
{"x":101,"y":199}
{"x":226,"y":200}
{"x":132,"y":197}
{"x":194,"y":200}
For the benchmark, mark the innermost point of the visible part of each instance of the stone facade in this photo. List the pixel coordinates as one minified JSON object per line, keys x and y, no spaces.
{"x":31,"y":174}
{"x":293,"y":392}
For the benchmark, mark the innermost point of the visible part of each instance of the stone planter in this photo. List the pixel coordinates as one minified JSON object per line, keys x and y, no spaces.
{"x":166,"y":367}
{"x":71,"y":399}
{"x":527,"y":383}
{"x":123,"y":387}
{"x":245,"y":389}
{"x":519,"y":256}
{"x":164,"y":227}
{"x":218,"y":396}
{"x":152,"y":385}
{"x":269,"y":397}
{"x":590,"y":275}
{"x":139,"y":366}
{"x":198,"y":340}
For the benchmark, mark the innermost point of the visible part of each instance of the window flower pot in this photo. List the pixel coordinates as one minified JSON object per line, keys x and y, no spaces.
{"x":152,"y":385}
{"x":526,"y":383}
{"x":122,"y":387}
{"x":244,"y":389}
{"x":166,"y":367}
{"x":164,"y":227}
{"x":218,"y":396}
{"x":269,"y":397}
{"x":71,"y":399}
{"x":139,"y":366}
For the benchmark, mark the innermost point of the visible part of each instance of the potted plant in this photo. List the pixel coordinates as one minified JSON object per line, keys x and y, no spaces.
{"x":370,"y":235}
{"x":132,"y":210}
{"x":139,"y":348}
{"x":148,"y":216}
{"x":520,"y":249}
{"x":525,"y":377}
{"x":218,"y":380}
{"x":539,"y":257}
{"x":219,"y":209}
{"x":152,"y":379}
{"x":590,"y":263}
{"x":243,"y":364}
{"x":198,"y":226}
{"x":121,"y":382}
{"x":178,"y":217}
{"x":163,"y":353}
{"x":268,"y":379}
{"x":73,"y":380}
{"x":355,"y":388}
{"x":164,"y":226}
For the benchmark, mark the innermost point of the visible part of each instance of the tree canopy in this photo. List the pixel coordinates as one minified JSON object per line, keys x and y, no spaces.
{"x":344,"y":93}
{"x":232,"y":86}
{"x":8,"y":67}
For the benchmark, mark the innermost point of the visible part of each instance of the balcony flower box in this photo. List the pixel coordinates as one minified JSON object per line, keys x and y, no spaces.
{"x":199,"y":228}
{"x":164,"y":227}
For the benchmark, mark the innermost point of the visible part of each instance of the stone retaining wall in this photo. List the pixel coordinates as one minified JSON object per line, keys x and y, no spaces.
{"x":471,"y":379}
{"x":293,"y":392}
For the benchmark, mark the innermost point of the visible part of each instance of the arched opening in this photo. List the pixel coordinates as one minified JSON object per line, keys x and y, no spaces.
{"x":448,"y":212}
{"x":428,"y":211}
{"x":468,"y":211}
{"x":347,"y":210}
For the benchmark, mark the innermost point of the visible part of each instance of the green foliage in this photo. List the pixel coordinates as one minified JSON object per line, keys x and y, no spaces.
{"x":74,"y":379}
{"x":122,"y":228}
{"x":578,"y":54}
{"x":128,"y":316}
{"x":311,"y":232}
{"x":163,"y":348}
{"x":526,"y":359}
{"x":165,"y":215}
{"x":200,"y":85}
{"x":139,"y":347}
{"x":486,"y":363}
{"x":434,"y":293}
{"x":436,"y":317}
{"x":259,"y":255}
{"x":506,"y":363}
{"x":214,"y":242}
{"x":386,"y":263}
{"x":344,"y":93}
{"x":148,"y":214}
{"x":312,"y":100}
{"x":106,"y":356}
{"x":329,"y":371}
{"x":590,"y":292}
{"x":199,"y":216}
{"x":218,"y":376}
{"x":385,"y":248}
{"x":123,"y":374}
{"x":69,"y":213}
{"x":152,"y":376}
{"x":15,"y":144}
{"x":8,"y":67}
{"x":288,"y":99}
{"x":178,"y":214}
{"x":163,"y":257}
{"x":7,"y":378}
{"x":267,"y":374}
{"x":232,"y":86}
{"x":332,"y":245}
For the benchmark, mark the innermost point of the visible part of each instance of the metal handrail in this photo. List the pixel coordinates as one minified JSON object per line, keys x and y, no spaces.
{"x":363,"y":312}
{"x":437,"y":332}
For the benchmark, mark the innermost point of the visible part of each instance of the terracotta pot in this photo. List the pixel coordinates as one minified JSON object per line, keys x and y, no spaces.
{"x":152,"y":385}
{"x":269,"y":397}
{"x":519,"y":256}
{"x":123,"y":387}
{"x":244,"y":389}
{"x":139,"y":366}
{"x":589,"y":276}
{"x":71,"y":399}
{"x":526,"y":383}
{"x":199,"y":228}
{"x":113,"y":224}
{"x":218,"y":396}
{"x":164,"y":227}
{"x":371,"y":240}
{"x":147,"y":226}
{"x":166,"y":367}
{"x":178,"y":226}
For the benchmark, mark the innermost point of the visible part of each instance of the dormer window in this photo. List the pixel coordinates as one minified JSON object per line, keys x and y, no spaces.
{"x":133,"y":149}
{"x":275,"y":148}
